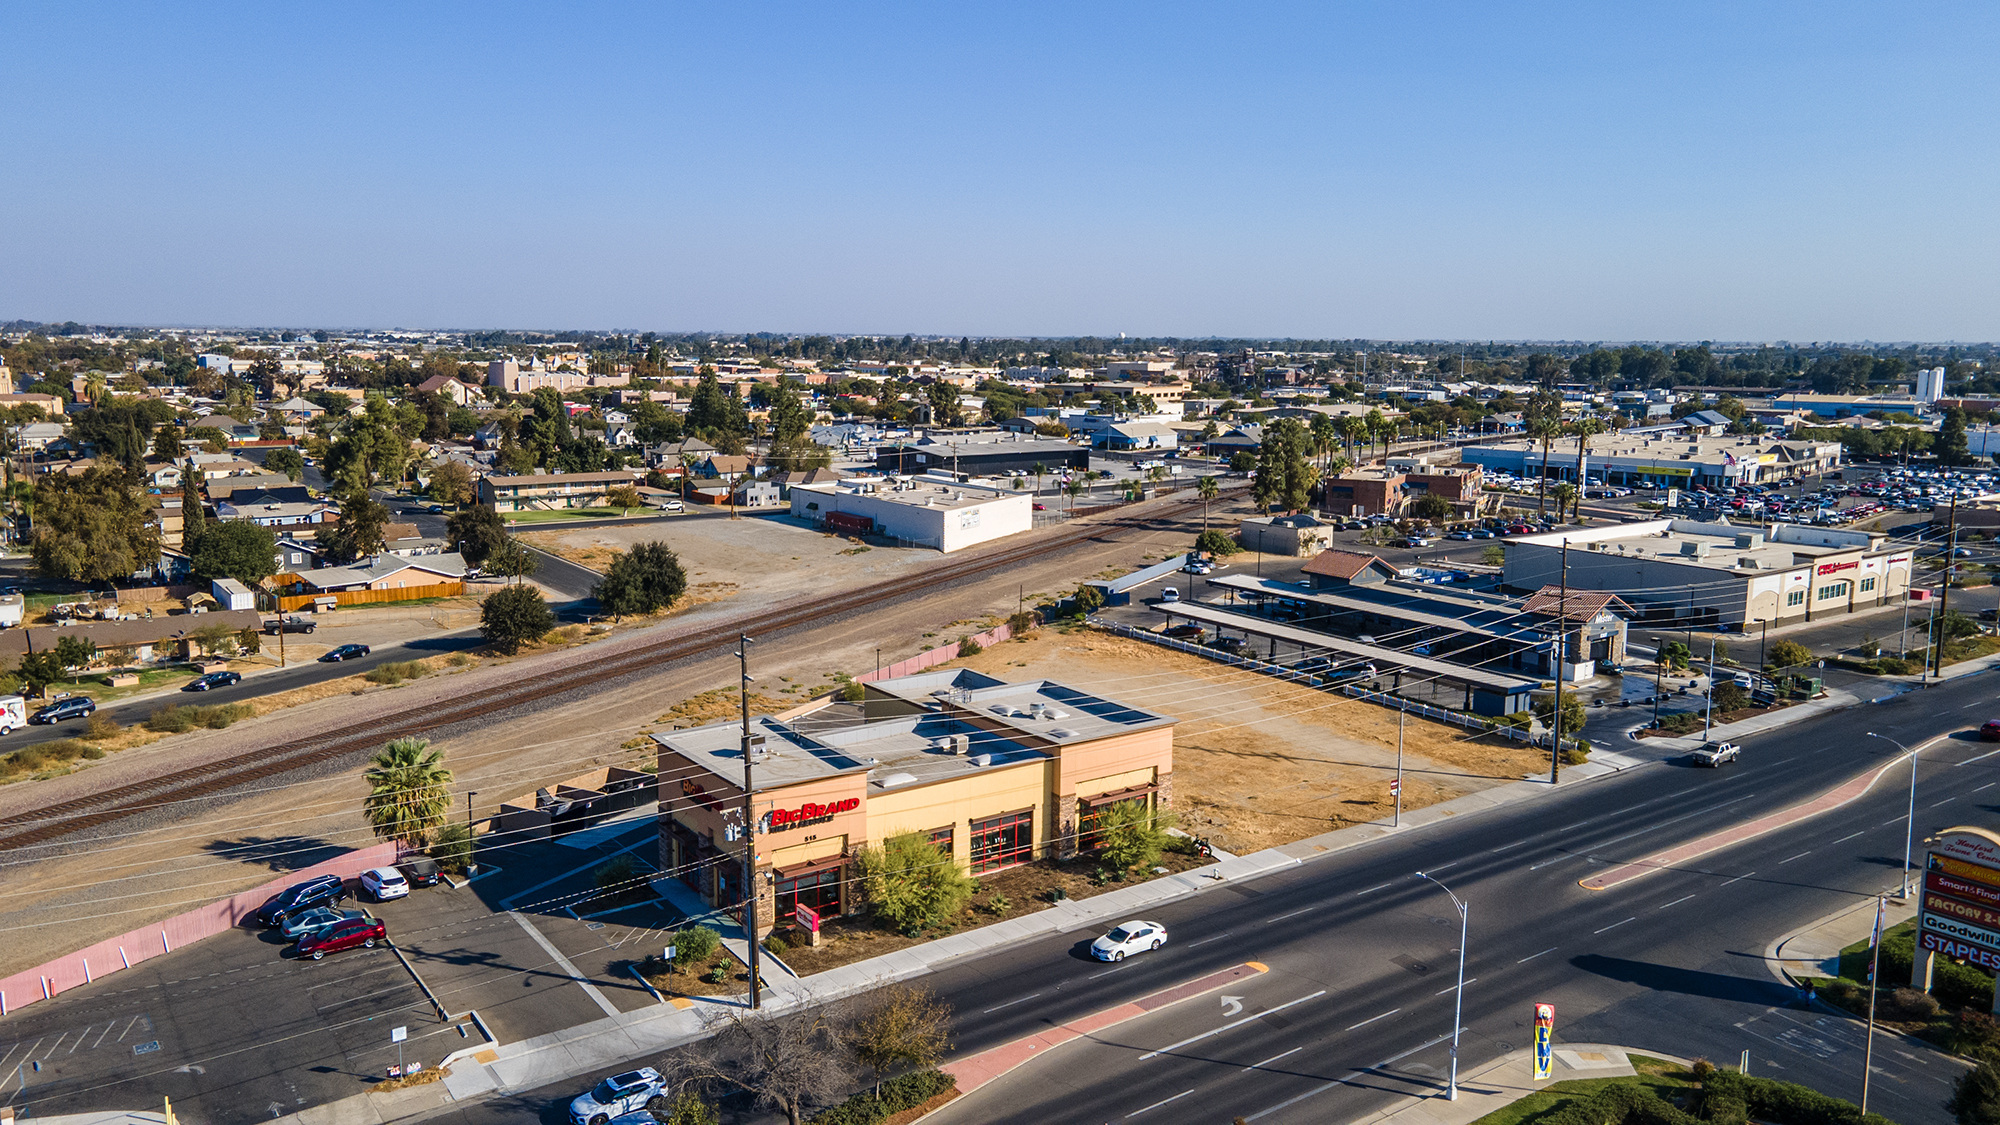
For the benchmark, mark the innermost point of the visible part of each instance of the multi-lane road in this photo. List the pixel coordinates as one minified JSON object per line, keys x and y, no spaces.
{"x":1356,"y":1010}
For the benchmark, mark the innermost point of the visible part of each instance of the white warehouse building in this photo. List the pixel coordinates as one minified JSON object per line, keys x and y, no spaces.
{"x":935,"y":511}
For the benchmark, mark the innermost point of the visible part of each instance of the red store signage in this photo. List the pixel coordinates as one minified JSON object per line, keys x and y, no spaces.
{"x":812,"y":812}
{"x":1835,"y":568}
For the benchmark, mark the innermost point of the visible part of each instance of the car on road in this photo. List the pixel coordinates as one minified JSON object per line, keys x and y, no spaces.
{"x":289,"y":625}
{"x":677,"y":506}
{"x":384,"y":883}
{"x":1132,"y":937}
{"x":1990,"y":731}
{"x":361,"y":933}
{"x":1460,"y":536}
{"x":213,"y":680}
{"x":1715,"y":754}
{"x":344,"y":652}
{"x":326,"y":890}
{"x":317,"y":919}
{"x":434,"y":509}
{"x":617,"y":1095}
{"x":63,"y":710}
{"x":1198,"y":567}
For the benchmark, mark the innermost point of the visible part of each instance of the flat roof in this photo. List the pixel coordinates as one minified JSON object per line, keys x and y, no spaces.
{"x":1404,"y":603}
{"x":1778,"y":547}
{"x":1213,"y":615}
{"x":915,"y":492}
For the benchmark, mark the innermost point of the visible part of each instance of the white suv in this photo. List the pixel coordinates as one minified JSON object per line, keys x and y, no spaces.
{"x":384,"y":883}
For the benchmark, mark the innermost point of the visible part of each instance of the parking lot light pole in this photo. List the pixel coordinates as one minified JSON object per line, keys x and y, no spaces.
{"x":1458,"y":997}
{"x":1910,"y":823}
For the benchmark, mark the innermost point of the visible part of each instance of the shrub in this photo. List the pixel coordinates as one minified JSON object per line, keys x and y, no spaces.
{"x":397,"y":673}
{"x":905,"y":1091}
{"x":1909,"y":1006}
{"x":41,"y":755}
{"x":716,"y":975}
{"x":1129,"y":835}
{"x":1729,"y":696}
{"x":684,"y":1108}
{"x":1976,"y":1100}
{"x":912,"y":884}
{"x":1680,"y":723}
{"x":103,"y":727}
{"x":1217,"y":543}
{"x":1575,"y":753}
{"x":854,"y":693}
{"x":775,"y":946}
{"x":459,"y":659}
{"x":694,"y":945}
{"x":452,"y":848}
{"x":176,"y":719}
{"x":969,"y":646}
{"x":1024,"y":622}
{"x":615,"y":874}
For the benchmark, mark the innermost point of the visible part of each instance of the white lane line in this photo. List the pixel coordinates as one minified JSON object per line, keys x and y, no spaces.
{"x":1740,"y":878}
{"x":1372,"y":1019}
{"x":1371,"y":890}
{"x":1272,"y":1059}
{"x":1946,"y":801}
{"x":1677,"y":902}
{"x":1845,"y":839}
{"x":1011,"y":1003}
{"x":1504,"y":847}
{"x":1206,"y":940}
{"x":1558,"y":859}
{"x":1158,"y":1104}
{"x":1988,"y":785}
{"x":1532,"y":956}
{"x":1614,"y":926}
{"x":128,"y":1029}
{"x":1346,"y":1078}
{"x":1294,"y":914}
{"x":1801,"y":855}
{"x":1442,"y":866}
{"x":1892,"y":820}
{"x":1981,"y":757}
{"x":1105,"y":973}
{"x":1228,"y":1026}
{"x":1442,"y":991}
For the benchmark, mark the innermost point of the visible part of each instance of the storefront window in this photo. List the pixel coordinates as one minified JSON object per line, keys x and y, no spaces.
{"x":941,"y":838}
{"x":819,"y":890}
{"x":1002,"y":841}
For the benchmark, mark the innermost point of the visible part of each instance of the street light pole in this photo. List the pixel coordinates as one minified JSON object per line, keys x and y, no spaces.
{"x":1708,"y":723}
{"x":749,"y":822}
{"x":1910,"y":822}
{"x":1458,"y":998}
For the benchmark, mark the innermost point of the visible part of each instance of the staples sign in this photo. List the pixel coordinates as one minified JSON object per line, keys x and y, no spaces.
{"x":812,"y":812}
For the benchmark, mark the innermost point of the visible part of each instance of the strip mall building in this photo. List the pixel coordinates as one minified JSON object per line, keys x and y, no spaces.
{"x":995,"y":773}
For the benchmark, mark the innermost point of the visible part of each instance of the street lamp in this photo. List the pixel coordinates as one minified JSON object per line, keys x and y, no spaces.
{"x":1910,"y":825}
{"x":1458,"y":1000}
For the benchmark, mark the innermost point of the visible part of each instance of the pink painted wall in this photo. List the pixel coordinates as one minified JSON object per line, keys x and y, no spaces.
{"x":931,"y":658}
{"x":147,"y":942}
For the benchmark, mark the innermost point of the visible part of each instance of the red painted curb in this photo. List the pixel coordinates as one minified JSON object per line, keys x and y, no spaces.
{"x":975,"y":1071}
{"x":1715,"y":841}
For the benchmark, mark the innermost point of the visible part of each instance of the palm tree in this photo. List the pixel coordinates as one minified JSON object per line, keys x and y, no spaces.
{"x":1544,"y":428}
{"x":1207,"y":489}
{"x":94,"y":387}
{"x":409,"y":791}
{"x":1075,"y":489}
{"x":1039,"y":470}
{"x":1584,"y":428}
{"x":1351,"y":429}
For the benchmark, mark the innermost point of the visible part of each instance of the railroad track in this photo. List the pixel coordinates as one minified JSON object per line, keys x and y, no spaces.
{"x":66,"y":818}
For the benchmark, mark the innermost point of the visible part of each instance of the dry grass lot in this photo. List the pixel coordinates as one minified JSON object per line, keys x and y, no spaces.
{"x":772,"y":556}
{"x":1259,"y":762}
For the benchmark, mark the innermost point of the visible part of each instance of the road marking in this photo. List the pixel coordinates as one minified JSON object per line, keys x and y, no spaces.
{"x":1105,"y":973}
{"x":1946,"y":801}
{"x":1442,"y":991}
{"x":1372,"y":1019}
{"x":1294,"y":913}
{"x":1158,"y":1104}
{"x":1532,"y":956}
{"x":1231,"y":1024}
{"x":1893,"y":820}
{"x":1558,"y":859}
{"x":1988,"y":785}
{"x":11,"y":1048}
{"x":556,"y":955}
{"x":1614,"y":926}
{"x":1206,"y":940}
{"x":1504,"y":847}
{"x":1801,"y":855}
{"x":1442,"y":866}
{"x":1981,"y":757}
{"x":1011,"y":1003}
{"x":128,"y":1029}
{"x":1371,"y":890}
{"x":1845,"y":839}
{"x":1677,"y":901}
{"x":1741,"y":877}
{"x":1346,"y":1078}
{"x":1272,"y":1059}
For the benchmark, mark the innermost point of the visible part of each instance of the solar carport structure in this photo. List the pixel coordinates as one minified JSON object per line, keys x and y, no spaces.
{"x":1486,"y":693}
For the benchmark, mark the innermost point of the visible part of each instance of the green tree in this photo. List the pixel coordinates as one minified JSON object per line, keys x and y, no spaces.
{"x":646,"y":579}
{"x":912,"y":884}
{"x":1729,"y":696}
{"x":1675,"y":654}
{"x":38,"y":670}
{"x":1951,"y":447}
{"x":451,"y":483}
{"x":92,"y":528}
{"x":907,"y":1025}
{"x":512,"y":560}
{"x":1129,"y":835}
{"x":1976,"y":1098}
{"x":1204,"y":487}
{"x":1789,"y":654}
{"x":167,"y":444}
{"x":1284,"y":477}
{"x":236,"y":549}
{"x":625,"y":498}
{"x":75,"y":653}
{"x":211,"y":639}
{"x":358,"y":533}
{"x":409,"y":791}
{"x":287,"y":461}
{"x":1216,"y":543}
{"x":942,"y":398}
{"x":685,"y":1108}
{"x":1431,"y":506}
{"x":1088,"y":599}
{"x":476,"y":533}
{"x":1573,"y":715}
{"x":513,"y":616}
{"x":715,"y":415}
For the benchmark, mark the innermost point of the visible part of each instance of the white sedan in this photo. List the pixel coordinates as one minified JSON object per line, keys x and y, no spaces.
{"x":1132,"y":937}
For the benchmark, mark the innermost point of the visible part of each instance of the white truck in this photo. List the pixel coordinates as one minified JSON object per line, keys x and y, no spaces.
{"x":13,"y":713}
{"x":1715,"y":754}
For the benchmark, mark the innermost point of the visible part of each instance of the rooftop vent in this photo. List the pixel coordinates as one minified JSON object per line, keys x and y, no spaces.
{"x":1061,"y":732}
{"x":1052,"y":714}
{"x":1006,"y":710}
{"x":982,"y":759}
{"x":895,"y":779}
{"x":1695,"y":550}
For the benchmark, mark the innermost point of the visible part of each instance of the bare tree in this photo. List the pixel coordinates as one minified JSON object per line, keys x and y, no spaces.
{"x":784,"y":1061}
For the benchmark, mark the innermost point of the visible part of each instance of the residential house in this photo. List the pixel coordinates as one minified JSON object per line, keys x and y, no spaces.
{"x":296,"y":412}
{"x":277,"y":513}
{"x":450,"y":387}
{"x":486,"y":437}
{"x":674,"y":454}
{"x":296,"y":555}
{"x":725,"y":466}
{"x":38,"y":435}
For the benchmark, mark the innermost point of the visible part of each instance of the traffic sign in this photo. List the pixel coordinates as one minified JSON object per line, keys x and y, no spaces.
{"x":398,"y":1034}
{"x":1395,"y":786}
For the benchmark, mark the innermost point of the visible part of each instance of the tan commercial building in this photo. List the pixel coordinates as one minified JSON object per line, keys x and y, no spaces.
{"x":550,"y":491}
{"x":1686,"y":572}
{"x":996,"y":774}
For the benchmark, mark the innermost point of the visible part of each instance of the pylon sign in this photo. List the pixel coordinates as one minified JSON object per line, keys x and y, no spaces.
{"x":1545,"y":1030}
{"x":1959,"y":903}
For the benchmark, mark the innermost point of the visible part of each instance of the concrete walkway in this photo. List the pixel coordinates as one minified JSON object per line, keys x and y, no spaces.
{"x":1814,"y":950}
{"x":1510,"y":1078}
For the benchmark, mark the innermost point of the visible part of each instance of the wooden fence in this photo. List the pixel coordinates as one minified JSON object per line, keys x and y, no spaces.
{"x":290,"y":602}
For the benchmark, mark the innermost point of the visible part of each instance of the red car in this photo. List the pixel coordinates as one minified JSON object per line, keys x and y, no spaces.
{"x":362,"y":932}
{"x":1990,"y":732}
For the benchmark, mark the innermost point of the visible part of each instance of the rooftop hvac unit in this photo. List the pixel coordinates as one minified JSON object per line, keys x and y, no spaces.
{"x":1061,"y":732}
{"x":1036,"y":710}
{"x":982,"y":759}
{"x":960,"y":743}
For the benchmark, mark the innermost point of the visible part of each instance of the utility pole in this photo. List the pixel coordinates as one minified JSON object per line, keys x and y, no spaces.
{"x":744,"y":641}
{"x":1708,"y":721}
{"x":1944,"y":593}
{"x":1562,"y":661}
{"x":1874,"y":968}
{"x":1402,"y":711}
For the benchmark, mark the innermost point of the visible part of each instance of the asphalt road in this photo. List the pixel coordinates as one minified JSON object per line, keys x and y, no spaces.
{"x":1356,"y":1010}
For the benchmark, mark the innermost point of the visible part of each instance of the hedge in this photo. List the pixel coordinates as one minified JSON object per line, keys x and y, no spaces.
{"x":906,"y":1091}
{"x":1724,"y":1098}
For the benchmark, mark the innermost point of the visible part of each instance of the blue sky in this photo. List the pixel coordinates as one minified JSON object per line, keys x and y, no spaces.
{"x":1593,"y":171}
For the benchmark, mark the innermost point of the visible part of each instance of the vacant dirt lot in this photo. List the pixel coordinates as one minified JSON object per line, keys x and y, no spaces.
{"x":1259,"y":762}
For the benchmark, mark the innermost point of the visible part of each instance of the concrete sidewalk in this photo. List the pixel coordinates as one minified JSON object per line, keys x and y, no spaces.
{"x":1814,"y":950}
{"x":1510,"y":1078}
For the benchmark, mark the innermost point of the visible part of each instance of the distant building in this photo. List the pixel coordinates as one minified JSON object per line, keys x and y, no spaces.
{"x":933,"y":511}
{"x":1014,"y":454}
{"x":550,"y":491}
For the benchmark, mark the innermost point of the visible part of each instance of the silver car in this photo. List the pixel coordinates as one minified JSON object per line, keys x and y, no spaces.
{"x":616,"y":1096}
{"x":317,"y":919}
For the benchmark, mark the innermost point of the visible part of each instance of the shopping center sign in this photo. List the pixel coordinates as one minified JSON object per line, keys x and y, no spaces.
{"x":1959,"y":908}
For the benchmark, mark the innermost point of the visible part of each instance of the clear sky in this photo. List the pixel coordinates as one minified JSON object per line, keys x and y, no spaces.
{"x":1608,"y":170}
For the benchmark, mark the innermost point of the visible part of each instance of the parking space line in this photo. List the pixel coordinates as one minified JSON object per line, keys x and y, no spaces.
{"x":100,"y":1038}
{"x":11,"y":1048}
{"x":556,"y":955}
{"x":57,"y":1043}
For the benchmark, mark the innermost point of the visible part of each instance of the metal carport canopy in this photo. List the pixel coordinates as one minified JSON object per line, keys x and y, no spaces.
{"x":1264,"y":627}
{"x":1408,"y":610}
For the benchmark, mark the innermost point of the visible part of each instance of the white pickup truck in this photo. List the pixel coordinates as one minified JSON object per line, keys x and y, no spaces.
{"x":1716,"y":754}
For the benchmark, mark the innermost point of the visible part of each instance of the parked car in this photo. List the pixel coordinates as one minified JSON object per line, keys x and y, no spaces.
{"x":1170,"y":594}
{"x":384,"y":883}
{"x":289,"y":625}
{"x":344,"y":652}
{"x":1990,"y":731}
{"x":326,"y":890}
{"x":1715,"y":754}
{"x":1132,"y":937}
{"x":434,"y":509}
{"x":617,"y":1095}
{"x":1183,"y":632}
{"x":212,"y":680}
{"x":677,"y":506}
{"x":317,"y":919}
{"x":63,"y":710}
{"x":420,"y":870}
{"x":362,"y":933}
